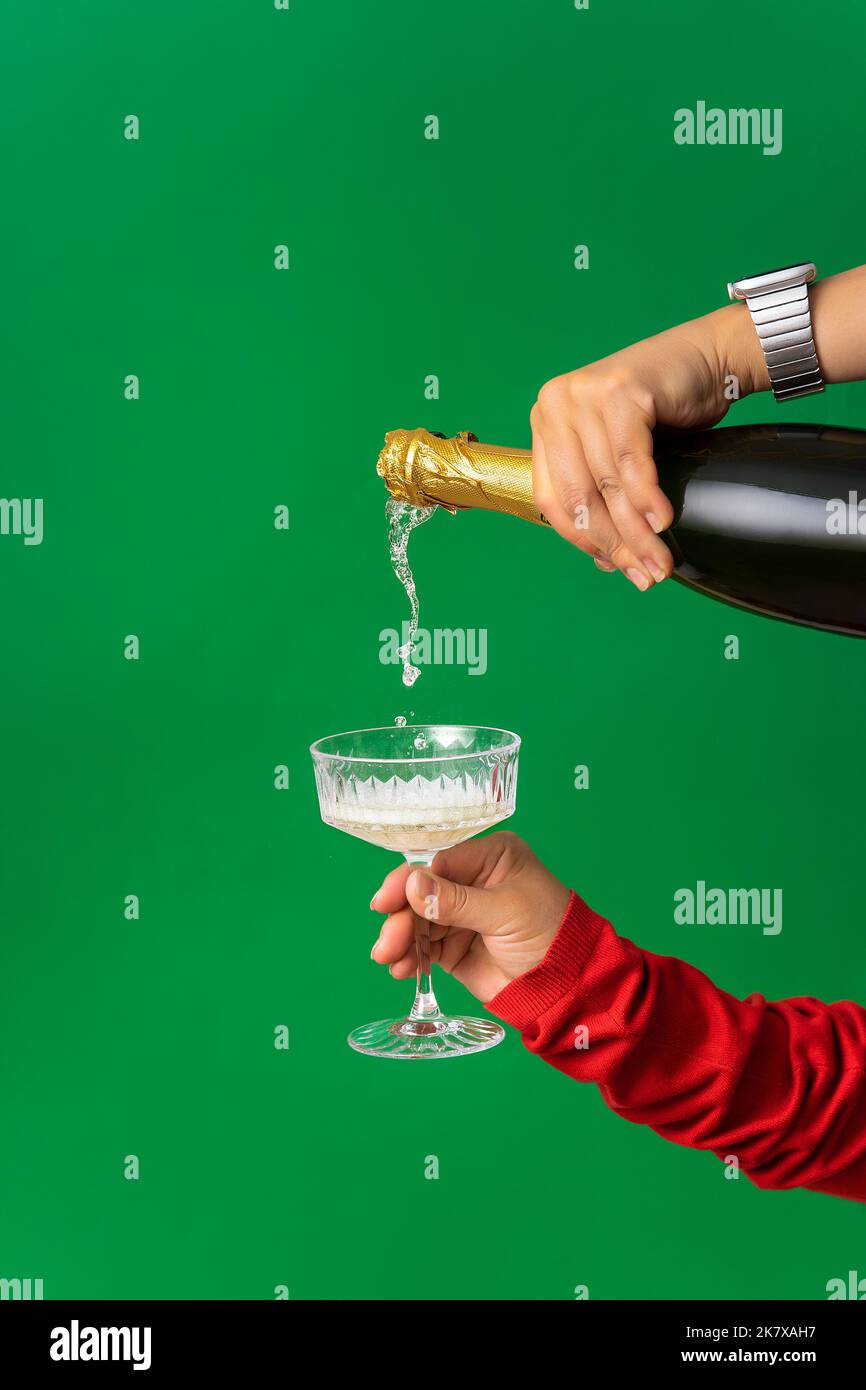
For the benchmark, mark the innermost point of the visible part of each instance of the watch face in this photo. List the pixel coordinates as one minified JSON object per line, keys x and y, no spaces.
{"x":769,"y":280}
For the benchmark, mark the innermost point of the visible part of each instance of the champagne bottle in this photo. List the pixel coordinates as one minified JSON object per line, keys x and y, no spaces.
{"x":769,"y":518}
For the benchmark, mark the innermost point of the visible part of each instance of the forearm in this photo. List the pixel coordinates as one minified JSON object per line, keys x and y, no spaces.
{"x":838,"y":307}
{"x":779,"y":1085}
{"x":839,"y":323}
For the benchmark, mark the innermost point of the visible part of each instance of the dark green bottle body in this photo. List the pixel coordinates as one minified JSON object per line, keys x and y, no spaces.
{"x":767,"y":518}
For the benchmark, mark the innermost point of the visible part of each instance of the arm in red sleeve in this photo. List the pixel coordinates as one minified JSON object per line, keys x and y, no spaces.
{"x":782,"y":1085}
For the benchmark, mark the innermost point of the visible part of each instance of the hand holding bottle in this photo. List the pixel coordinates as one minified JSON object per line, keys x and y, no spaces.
{"x":493,"y":910}
{"x":592,"y":449}
{"x":593,"y":472}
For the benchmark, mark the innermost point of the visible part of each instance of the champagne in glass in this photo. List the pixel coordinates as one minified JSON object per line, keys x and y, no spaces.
{"x":418,"y":789}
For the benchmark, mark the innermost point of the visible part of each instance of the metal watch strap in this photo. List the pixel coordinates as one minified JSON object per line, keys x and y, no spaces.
{"x":784,"y":325}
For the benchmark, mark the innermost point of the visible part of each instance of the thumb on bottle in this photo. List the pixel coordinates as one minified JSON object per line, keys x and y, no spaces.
{"x":451,"y":904}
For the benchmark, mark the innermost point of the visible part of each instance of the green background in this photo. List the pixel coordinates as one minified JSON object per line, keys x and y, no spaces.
{"x":258,"y":127}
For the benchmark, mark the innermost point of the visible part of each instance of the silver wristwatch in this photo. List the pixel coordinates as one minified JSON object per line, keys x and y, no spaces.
{"x":778,"y":301}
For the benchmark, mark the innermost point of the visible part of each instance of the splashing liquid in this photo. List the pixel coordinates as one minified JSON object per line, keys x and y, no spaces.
{"x":402,"y":520}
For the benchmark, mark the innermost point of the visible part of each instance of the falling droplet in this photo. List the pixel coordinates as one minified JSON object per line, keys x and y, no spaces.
{"x":400,"y":721}
{"x":420,"y":741}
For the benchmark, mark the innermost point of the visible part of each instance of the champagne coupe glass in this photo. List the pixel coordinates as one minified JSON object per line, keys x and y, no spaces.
{"x":417,"y":789}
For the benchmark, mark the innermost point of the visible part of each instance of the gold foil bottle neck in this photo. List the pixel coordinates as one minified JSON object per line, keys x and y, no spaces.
{"x":404,"y":466}
{"x":457,"y":473}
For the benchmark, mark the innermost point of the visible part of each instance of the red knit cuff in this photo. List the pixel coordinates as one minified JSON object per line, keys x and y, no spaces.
{"x":525,"y":999}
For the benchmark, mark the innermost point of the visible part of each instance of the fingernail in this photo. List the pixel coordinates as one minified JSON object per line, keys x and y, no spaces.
{"x":655,"y":570}
{"x":638,"y":578}
{"x":373,"y":902}
{"x":603,"y":563}
{"x":654,"y":522}
{"x":377,"y":943}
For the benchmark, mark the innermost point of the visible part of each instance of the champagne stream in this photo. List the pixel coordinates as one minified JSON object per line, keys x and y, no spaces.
{"x":402,"y":520}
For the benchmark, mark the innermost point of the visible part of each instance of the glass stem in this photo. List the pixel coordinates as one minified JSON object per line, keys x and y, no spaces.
{"x":425,"y":1005}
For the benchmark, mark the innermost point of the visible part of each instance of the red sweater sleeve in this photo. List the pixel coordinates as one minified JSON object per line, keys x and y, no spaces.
{"x":781,"y":1085}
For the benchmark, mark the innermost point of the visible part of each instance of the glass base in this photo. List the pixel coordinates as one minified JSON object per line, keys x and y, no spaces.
{"x":440,"y":1036}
